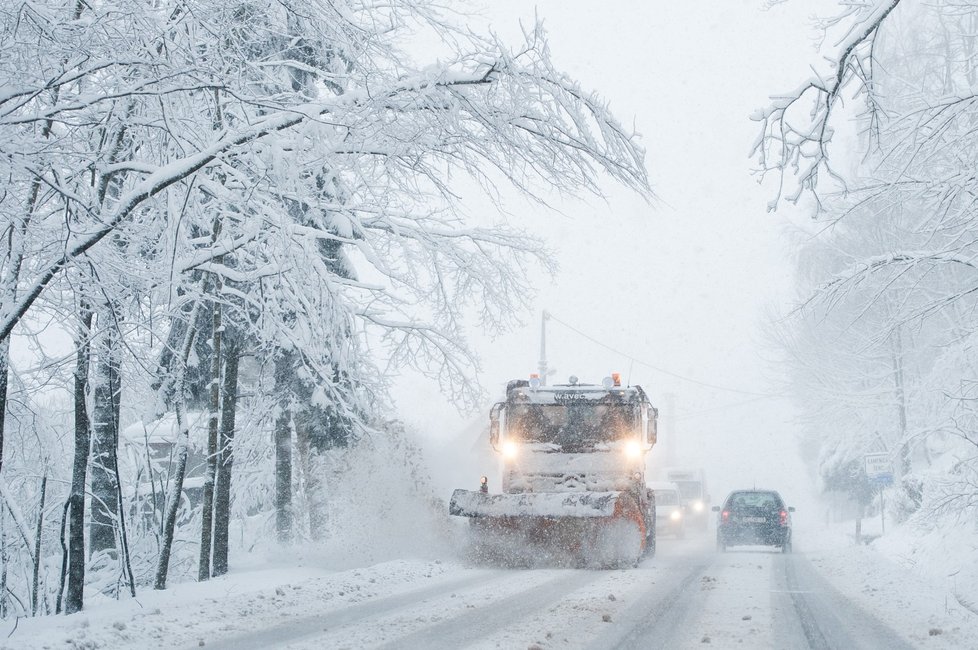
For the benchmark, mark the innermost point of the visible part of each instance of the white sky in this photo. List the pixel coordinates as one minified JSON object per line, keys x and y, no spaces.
{"x":682,"y":284}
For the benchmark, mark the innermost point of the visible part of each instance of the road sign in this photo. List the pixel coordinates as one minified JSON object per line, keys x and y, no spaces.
{"x":879,"y":466}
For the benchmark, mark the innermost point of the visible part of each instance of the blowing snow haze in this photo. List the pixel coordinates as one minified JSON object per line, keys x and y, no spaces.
{"x":688,"y":283}
{"x":276,"y":278}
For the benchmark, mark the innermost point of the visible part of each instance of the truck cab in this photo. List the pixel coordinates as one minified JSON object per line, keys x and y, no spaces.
{"x":572,"y":437}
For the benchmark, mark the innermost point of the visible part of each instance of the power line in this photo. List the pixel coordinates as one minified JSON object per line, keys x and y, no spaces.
{"x":654,"y":367}
{"x":693,"y":414}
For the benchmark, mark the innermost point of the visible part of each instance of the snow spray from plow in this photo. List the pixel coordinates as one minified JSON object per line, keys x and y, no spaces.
{"x":466,"y":503}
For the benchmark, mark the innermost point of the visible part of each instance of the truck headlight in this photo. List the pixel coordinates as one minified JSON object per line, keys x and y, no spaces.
{"x":633,"y":449}
{"x":510,"y":449}
{"x":675,"y":515}
{"x":698,"y":506}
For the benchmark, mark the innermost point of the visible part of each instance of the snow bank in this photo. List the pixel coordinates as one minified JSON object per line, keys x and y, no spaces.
{"x":197,"y":614}
{"x":941,"y":549}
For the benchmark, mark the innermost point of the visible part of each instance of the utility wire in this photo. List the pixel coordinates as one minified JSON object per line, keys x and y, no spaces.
{"x":656,"y":368}
{"x":694,"y":414}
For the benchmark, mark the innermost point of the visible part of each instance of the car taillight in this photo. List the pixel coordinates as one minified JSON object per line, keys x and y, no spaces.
{"x":784,"y":517}
{"x":725,"y":515}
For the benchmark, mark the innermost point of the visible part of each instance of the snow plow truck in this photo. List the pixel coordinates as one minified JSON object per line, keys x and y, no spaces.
{"x":572,"y":460}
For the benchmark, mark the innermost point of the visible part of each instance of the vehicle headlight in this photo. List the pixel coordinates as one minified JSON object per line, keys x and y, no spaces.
{"x":633,"y":449}
{"x":698,"y":506}
{"x":675,"y":515}
{"x":510,"y":449}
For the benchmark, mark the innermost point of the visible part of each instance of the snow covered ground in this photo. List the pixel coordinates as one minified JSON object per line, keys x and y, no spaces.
{"x":687,"y":596}
{"x":920,"y":583}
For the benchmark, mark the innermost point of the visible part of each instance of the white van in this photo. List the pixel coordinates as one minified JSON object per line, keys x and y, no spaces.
{"x":670,"y":515}
{"x":693,"y":494}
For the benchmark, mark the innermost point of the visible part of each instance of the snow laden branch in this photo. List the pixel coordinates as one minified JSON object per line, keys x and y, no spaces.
{"x":502,"y":114}
{"x":331,"y":147}
{"x":797,"y":127}
{"x":560,"y":153}
{"x":881,"y":274}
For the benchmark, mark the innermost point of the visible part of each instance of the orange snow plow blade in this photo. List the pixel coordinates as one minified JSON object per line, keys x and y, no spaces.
{"x":600,"y":529}
{"x":551,"y":505}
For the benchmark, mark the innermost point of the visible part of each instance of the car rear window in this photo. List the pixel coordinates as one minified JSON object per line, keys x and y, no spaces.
{"x":755,"y":500}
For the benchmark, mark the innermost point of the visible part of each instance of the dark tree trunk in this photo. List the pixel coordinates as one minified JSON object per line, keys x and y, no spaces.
{"x":183,"y":446}
{"x":283,"y":476}
{"x":74,"y":600}
{"x":4,"y":562}
{"x":37,"y":543}
{"x":4,"y":354}
{"x":123,"y":534}
{"x":173,"y":499}
{"x":105,"y":436}
{"x":207,"y":513}
{"x":64,"y":557}
{"x":284,"y":388}
{"x":222,"y":495}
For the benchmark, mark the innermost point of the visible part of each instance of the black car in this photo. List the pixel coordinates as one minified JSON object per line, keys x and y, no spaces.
{"x":754,"y":517}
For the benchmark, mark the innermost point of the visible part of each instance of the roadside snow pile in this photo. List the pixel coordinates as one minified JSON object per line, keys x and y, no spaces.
{"x":906,"y":577}
{"x":920,"y":608}
{"x":941,"y":548}
{"x":203,"y":614}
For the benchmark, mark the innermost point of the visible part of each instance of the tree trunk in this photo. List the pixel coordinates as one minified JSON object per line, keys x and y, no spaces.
{"x":904,"y":463}
{"x":64,"y":556}
{"x":222,"y":494}
{"x":173,"y":498}
{"x":283,"y":476}
{"x":207,"y":513}
{"x":4,"y":562}
{"x":123,"y":534}
{"x":313,"y":483}
{"x":105,"y":436}
{"x":4,"y":355}
{"x":183,"y":447}
{"x":74,"y":600}
{"x":37,"y":543}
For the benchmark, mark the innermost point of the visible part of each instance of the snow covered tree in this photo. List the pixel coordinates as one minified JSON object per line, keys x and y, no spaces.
{"x":884,"y":144}
{"x":299,"y":153}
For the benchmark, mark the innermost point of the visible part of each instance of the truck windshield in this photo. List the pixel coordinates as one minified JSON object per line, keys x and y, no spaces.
{"x":572,"y":425}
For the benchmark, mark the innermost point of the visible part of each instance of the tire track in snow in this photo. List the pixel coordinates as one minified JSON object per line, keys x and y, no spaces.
{"x":826,"y":618}
{"x":487,"y":600}
{"x":314,"y":624}
{"x":478,"y":623}
{"x":661,"y":612}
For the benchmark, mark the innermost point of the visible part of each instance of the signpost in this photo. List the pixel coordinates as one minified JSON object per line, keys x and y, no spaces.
{"x":879,"y":470}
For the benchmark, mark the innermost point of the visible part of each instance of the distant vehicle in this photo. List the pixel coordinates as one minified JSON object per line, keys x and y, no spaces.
{"x":670,"y":515}
{"x":692,"y":491}
{"x":754,"y":517}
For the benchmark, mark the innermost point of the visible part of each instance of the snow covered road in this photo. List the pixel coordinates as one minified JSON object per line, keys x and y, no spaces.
{"x":688,"y":596}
